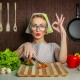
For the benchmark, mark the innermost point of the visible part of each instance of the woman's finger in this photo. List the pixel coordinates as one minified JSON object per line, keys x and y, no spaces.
{"x":55,"y":24}
{"x":61,"y":17}
{"x":31,"y":53}
{"x":27,"y":53}
{"x":35,"y":56}
{"x":57,"y":17}
{"x":63,"y":20}
{"x":25,"y":50}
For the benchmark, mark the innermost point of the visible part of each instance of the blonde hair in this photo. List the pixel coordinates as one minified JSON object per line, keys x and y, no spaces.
{"x":39,"y":16}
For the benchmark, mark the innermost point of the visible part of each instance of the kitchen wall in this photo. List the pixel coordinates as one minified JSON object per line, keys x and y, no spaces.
{"x":25,"y":8}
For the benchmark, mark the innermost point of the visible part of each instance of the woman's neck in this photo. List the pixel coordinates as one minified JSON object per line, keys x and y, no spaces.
{"x":39,"y":40}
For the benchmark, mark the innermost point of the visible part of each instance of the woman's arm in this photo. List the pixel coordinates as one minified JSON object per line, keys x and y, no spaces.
{"x":63,"y":49}
{"x":19,"y":51}
{"x":61,"y":54}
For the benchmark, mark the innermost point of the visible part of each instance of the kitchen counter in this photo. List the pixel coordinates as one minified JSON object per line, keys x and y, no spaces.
{"x":74,"y":74}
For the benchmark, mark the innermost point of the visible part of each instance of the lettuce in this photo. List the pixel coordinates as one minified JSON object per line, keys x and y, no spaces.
{"x":9,"y":59}
{"x":27,"y":63}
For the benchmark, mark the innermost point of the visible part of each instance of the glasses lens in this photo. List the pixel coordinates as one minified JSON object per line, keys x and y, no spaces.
{"x":34,"y":27}
{"x":42,"y":28}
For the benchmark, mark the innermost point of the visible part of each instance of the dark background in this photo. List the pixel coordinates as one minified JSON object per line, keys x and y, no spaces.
{"x":25,"y":8}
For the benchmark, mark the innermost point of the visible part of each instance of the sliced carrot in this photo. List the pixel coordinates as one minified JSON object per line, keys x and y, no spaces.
{"x":42,"y":66}
{"x":30,"y":60}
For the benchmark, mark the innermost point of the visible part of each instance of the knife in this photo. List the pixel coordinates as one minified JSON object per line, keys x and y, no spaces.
{"x":36,"y":60}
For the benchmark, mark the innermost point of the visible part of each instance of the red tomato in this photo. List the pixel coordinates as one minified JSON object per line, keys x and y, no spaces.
{"x":72,"y":61}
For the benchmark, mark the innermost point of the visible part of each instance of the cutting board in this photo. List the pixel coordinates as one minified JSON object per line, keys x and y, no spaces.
{"x":54,"y":69}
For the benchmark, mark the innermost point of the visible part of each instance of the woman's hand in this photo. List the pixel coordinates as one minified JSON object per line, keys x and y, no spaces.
{"x":58,"y":25}
{"x":29,"y":51}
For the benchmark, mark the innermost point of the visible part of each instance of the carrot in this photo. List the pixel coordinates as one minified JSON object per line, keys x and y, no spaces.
{"x":30,"y":60}
{"x":42,"y":66}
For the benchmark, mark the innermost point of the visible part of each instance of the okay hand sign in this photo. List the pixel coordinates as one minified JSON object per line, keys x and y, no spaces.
{"x":58,"y":25}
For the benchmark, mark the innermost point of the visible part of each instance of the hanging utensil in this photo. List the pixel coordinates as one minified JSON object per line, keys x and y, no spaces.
{"x":15,"y":26}
{"x":8,"y":25}
{"x":1,"y":28}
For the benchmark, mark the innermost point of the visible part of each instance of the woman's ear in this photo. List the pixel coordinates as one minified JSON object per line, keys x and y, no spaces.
{"x":46,"y":30}
{"x":30,"y":31}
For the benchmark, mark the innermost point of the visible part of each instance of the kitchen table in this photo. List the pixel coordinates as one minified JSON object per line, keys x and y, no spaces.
{"x":74,"y":74}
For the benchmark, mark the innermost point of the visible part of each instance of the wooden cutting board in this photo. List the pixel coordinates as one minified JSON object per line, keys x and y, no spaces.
{"x":54,"y":69}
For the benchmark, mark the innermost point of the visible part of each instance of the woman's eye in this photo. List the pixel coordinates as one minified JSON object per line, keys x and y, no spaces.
{"x":42,"y":26}
{"x":33,"y":25}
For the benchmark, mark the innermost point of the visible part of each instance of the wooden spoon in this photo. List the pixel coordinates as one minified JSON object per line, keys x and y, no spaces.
{"x":15,"y":26}
{"x":1,"y":28}
{"x":8,"y":25}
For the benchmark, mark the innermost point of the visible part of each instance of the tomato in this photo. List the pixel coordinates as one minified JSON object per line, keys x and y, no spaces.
{"x":72,"y":61}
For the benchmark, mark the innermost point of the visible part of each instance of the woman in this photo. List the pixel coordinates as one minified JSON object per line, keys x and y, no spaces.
{"x":39,"y":26}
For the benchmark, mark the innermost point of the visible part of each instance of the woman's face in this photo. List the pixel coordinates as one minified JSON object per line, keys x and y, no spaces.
{"x":38,"y":27}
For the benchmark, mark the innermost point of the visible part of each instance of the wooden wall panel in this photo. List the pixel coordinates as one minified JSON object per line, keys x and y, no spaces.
{"x":25,"y":8}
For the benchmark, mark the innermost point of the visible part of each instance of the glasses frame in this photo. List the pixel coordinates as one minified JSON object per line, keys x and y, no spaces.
{"x":36,"y":27}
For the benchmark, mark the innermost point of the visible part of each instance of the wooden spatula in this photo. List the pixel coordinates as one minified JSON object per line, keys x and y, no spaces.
{"x":15,"y":26}
{"x":1,"y":28}
{"x":8,"y":25}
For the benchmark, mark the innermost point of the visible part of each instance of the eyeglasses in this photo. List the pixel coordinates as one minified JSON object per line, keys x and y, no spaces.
{"x":41,"y":27}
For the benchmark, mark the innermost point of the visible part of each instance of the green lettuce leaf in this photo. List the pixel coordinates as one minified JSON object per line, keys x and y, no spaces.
{"x":9,"y":59}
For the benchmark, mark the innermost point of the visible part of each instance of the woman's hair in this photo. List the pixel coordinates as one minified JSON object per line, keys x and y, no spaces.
{"x":39,"y":16}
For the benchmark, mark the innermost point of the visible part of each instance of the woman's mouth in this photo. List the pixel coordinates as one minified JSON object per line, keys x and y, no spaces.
{"x":38,"y":34}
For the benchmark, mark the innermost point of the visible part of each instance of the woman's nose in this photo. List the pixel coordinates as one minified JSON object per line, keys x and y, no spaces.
{"x":37,"y":29}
